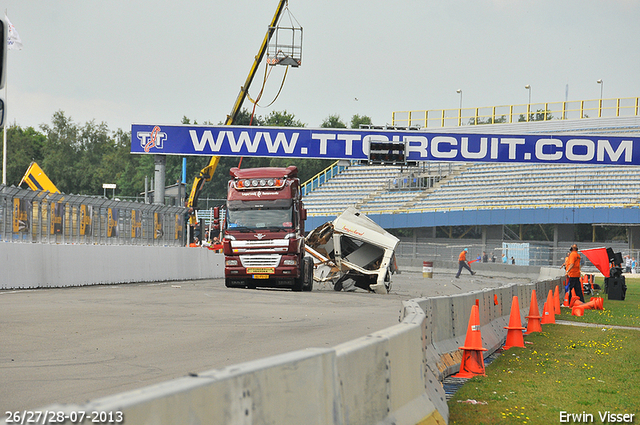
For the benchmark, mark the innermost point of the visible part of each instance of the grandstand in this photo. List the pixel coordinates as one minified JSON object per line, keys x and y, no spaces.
{"x":388,"y":190}
{"x":375,"y":189}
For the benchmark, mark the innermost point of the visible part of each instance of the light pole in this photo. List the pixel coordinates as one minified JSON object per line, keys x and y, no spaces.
{"x":460,"y":109}
{"x":601,"y":87}
{"x":528,"y":87}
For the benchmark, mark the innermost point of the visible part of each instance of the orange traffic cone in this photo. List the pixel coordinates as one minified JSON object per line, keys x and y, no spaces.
{"x":514,"y":333}
{"x":599,"y":303}
{"x":546,"y":317}
{"x":556,"y":300}
{"x":472,"y":361}
{"x":495,"y":299}
{"x":573,"y":298}
{"x":566,"y":299}
{"x":595,"y":303}
{"x":548,"y":314}
{"x":533,"y":319}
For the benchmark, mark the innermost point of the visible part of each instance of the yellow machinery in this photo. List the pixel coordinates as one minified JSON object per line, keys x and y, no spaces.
{"x":36,"y":179}
{"x":206,"y":174}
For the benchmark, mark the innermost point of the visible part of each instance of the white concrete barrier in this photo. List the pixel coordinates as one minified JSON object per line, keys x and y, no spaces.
{"x":56,"y":266}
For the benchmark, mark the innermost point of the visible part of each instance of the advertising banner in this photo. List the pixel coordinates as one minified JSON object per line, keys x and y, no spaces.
{"x":292,"y":142}
{"x":112,"y":222}
{"x":178,"y":227}
{"x":86,"y":212}
{"x":136,"y":223}
{"x":57,"y":218}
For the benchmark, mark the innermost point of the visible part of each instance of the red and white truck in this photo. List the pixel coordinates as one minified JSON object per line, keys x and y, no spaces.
{"x":264,"y":237}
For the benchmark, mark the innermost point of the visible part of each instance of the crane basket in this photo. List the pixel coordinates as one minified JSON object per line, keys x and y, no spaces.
{"x":285,"y":47}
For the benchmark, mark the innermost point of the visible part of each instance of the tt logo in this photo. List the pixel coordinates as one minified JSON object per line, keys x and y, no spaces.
{"x":151,"y":139}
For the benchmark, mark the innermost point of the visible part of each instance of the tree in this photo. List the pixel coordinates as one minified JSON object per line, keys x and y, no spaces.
{"x":333,"y":121}
{"x":24,"y":146}
{"x":356,"y":120}
{"x":282,"y":119}
{"x":61,"y":154}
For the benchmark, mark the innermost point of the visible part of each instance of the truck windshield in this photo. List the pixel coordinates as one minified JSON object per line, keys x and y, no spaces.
{"x":275,"y":219}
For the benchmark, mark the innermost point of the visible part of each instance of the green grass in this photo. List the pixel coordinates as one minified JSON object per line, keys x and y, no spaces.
{"x":564,"y":368}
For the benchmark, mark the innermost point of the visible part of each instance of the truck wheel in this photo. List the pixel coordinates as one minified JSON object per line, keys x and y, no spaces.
{"x":307,"y":273}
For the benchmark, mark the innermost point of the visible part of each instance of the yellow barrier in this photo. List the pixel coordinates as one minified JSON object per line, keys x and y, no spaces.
{"x":576,"y":109}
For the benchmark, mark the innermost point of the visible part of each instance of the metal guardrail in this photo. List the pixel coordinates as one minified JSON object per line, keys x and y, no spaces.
{"x":29,"y":216}
{"x":577,"y":109}
{"x":323,"y":176}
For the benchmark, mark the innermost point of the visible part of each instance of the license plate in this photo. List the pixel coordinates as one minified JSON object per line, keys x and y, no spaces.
{"x":261,"y":270}
{"x":261,"y":276}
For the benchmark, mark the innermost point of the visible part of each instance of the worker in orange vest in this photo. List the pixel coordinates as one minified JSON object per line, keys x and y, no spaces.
{"x":462,"y":263}
{"x":573,"y":272}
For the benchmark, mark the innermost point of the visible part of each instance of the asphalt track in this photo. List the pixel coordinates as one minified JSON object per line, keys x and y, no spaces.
{"x":72,"y":345}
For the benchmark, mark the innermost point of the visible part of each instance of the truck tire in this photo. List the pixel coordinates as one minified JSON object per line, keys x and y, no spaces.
{"x":307,"y":274}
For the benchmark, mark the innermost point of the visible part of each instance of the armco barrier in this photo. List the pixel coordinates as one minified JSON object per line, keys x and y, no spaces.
{"x":55,"y":266}
{"x":388,"y":377}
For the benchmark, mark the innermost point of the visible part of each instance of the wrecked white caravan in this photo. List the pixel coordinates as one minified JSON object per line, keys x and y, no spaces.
{"x":353,"y":251}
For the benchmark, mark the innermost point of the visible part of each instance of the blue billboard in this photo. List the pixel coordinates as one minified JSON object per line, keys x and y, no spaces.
{"x":290,"y":142}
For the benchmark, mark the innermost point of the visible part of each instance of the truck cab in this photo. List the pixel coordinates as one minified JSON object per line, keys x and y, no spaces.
{"x":264,"y":237}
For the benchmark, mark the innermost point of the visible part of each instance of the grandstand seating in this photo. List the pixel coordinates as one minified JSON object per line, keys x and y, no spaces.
{"x":475,"y":186}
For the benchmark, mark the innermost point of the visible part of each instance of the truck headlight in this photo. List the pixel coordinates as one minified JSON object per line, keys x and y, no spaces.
{"x":231,"y":262}
{"x":292,"y":262}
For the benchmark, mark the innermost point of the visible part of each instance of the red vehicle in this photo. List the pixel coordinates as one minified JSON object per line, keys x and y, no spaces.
{"x":264,"y":238}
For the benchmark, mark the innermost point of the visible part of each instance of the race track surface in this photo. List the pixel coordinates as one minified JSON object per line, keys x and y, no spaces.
{"x":77,"y":344}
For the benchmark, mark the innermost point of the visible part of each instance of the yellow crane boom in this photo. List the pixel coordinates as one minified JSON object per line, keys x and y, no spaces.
{"x":206,"y":174}
{"x":36,"y":179}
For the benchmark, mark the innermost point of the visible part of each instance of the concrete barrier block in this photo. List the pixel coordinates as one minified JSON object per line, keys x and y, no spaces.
{"x":382,"y":377}
{"x":425,"y":305}
{"x":486,"y":305}
{"x":493,"y":337}
{"x":297,"y":387}
{"x":441,"y":319}
{"x":550,"y":273}
{"x":436,"y":394}
{"x":461,"y":312}
{"x":57,"y":266}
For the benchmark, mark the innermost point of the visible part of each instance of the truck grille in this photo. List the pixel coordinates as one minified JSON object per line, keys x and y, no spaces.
{"x":260,"y":260}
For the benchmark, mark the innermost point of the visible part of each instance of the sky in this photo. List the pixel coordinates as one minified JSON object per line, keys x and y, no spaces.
{"x":155,"y":61}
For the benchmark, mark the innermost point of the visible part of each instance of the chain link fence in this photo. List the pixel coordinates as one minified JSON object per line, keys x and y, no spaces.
{"x":518,"y":253}
{"x":28,"y":216}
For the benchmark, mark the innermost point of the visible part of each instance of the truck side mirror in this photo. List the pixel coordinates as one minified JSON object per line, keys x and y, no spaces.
{"x":216,"y":213}
{"x":303,"y":214}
